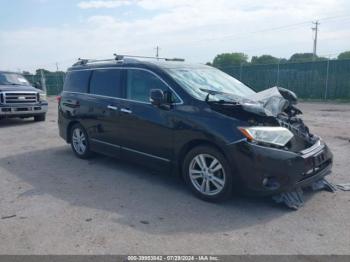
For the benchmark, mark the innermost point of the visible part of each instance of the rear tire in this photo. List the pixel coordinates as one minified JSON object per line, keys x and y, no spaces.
{"x":80,"y":142}
{"x":208,"y":174}
{"x":40,"y":118}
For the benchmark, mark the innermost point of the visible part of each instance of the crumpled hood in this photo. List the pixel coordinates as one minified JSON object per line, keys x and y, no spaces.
{"x":9,"y":88}
{"x":269,"y":102}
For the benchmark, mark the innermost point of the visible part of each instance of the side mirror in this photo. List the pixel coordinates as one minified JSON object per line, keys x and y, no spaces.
{"x":157,"y":97}
{"x":37,"y":85}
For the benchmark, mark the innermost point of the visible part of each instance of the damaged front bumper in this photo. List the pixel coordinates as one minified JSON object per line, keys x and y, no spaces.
{"x":270,"y":171}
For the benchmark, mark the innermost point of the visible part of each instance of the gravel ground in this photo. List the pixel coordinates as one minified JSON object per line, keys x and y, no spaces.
{"x":53,"y":203}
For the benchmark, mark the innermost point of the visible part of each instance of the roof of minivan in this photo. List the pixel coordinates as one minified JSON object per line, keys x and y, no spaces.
{"x":136,"y":62}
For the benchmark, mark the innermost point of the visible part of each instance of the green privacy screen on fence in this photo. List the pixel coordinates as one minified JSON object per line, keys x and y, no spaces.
{"x":53,"y":80}
{"x":328,"y":79}
{"x":312,"y":80}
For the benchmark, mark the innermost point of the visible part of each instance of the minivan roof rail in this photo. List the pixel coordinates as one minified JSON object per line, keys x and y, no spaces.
{"x":84,"y":61}
{"x":149,"y":57}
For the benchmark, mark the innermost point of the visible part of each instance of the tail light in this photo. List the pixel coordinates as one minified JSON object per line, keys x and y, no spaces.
{"x":59,"y":98}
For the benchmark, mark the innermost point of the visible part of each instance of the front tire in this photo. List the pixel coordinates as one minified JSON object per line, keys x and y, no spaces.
{"x":80,"y":141}
{"x":208,"y":174}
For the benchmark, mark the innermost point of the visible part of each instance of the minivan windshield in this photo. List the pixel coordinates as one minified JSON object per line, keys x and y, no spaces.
{"x":198,"y":82}
{"x":13,"y":79}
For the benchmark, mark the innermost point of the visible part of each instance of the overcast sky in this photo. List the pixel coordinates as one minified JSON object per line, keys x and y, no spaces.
{"x":39,"y":33}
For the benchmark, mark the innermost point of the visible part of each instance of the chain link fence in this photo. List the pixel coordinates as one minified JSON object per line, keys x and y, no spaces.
{"x":328,"y":79}
{"x":52,"y":82}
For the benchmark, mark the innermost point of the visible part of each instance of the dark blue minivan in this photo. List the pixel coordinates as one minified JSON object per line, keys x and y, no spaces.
{"x":193,"y":120}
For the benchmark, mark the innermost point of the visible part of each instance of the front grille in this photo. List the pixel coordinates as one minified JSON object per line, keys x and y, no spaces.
{"x":18,"y":98}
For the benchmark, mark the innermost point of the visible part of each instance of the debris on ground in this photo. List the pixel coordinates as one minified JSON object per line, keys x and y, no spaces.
{"x":343,"y":138}
{"x":343,"y":187}
{"x":293,"y":199}
{"x":7,"y":217}
{"x":323,"y":184}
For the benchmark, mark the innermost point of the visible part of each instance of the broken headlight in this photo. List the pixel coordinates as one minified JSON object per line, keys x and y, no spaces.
{"x":279,"y":136}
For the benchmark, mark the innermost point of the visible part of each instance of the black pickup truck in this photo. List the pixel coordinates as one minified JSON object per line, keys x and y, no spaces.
{"x":18,"y":98}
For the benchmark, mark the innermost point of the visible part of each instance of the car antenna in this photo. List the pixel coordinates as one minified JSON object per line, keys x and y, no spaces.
{"x":118,"y":57}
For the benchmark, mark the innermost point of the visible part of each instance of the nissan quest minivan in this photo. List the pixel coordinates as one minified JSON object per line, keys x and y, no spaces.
{"x":193,"y":120}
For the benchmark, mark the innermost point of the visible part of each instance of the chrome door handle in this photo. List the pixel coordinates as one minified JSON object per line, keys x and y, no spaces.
{"x":112,"y":107}
{"x":125,"y":110}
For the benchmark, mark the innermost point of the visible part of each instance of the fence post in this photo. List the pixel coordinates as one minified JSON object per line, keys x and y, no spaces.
{"x":327,"y":75}
{"x":278,"y":72}
{"x":57,"y":79}
{"x":240,"y":72}
{"x":43,"y":81}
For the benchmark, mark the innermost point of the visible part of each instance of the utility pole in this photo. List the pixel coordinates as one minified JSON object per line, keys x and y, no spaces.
{"x":315,"y":29}
{"x":157,"y":51}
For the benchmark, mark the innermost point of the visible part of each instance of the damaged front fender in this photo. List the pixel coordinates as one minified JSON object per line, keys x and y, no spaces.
{"x":270,"y":102}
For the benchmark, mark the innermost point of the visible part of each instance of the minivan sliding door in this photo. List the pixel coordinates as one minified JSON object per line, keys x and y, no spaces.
{"x":105,"y":89}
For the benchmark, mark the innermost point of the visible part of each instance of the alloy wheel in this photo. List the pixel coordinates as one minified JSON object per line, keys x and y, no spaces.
{"x":79,"y":141}
{"x":207,"y":174}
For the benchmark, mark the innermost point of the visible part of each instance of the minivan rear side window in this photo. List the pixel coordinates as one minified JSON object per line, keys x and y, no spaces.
{"x":106,"y":82}
{"x":77,"y":81}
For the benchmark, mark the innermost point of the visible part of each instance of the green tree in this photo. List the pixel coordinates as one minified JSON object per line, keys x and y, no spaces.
{"x":283,"y":61}
{"x":264,"y":59}
{"x":344,"y":55}
{"x":230,"y":59}
{"x":304,"y":57}
{"x":301,"y":57}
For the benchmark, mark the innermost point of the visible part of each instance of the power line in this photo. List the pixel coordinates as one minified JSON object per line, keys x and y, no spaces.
{"x":283,"y":27}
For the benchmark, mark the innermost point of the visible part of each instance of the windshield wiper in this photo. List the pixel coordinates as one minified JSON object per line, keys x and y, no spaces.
{"x":211,"y":92}
{"x":214,"y":92}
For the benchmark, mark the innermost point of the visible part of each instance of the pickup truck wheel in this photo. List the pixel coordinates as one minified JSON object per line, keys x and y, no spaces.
{"x":208,"y":174}
{"x":40,"y":118}
{"x":80,"y":142}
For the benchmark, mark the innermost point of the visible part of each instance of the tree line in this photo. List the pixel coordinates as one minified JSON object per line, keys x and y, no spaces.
{"x":237,"y":59}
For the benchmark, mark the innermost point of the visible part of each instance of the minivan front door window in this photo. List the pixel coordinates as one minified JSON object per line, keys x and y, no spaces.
{"x":140,"y":83}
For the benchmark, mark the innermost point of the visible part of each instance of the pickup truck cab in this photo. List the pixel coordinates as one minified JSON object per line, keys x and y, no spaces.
{"x":18,"y":98}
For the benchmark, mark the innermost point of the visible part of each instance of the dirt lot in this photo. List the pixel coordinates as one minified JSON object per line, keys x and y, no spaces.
{"x":53,"y":203}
